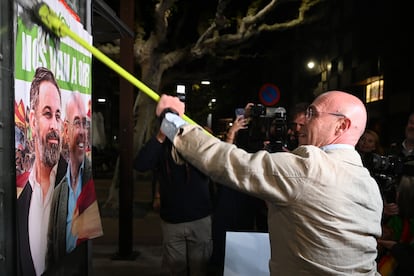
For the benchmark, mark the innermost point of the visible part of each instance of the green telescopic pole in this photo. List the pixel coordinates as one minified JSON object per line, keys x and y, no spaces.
{"x":50,"y":20}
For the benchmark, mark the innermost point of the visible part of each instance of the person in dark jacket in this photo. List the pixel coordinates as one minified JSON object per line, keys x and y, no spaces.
{"x":185,"y":207}
{"x":405,"y":149}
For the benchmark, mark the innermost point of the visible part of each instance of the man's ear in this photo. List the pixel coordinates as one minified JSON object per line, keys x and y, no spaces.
{"x":343,"y":125}
{"x":66,"y":129}
{"x":32,"y":121}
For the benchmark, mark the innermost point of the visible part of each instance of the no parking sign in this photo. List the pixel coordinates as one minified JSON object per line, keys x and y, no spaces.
{"x":269,"y":94}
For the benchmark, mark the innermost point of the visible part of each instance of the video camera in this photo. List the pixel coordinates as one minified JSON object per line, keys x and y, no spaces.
{"x":267,"y":124}
{"x":387,"y":171}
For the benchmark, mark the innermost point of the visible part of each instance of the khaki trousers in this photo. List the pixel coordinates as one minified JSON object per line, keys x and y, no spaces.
{"x":187,"y":247}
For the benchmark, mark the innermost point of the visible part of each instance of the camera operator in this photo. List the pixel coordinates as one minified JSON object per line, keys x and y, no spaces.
{"x":370,"y":149}
{"x":386,"y":169}
{"x":297,"y":119}
{"x":399,"y":156}
{"x":396,"y":250}
{"x":267,"y":129}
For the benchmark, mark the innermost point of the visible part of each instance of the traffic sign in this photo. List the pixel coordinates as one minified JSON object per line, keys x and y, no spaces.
{"x":269,"y":94}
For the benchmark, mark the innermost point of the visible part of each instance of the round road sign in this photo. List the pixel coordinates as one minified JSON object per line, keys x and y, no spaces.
{"x":269,"y":94}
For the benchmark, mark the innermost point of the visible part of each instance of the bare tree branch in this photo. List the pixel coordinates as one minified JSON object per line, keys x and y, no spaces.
{"x":248,"y":26}
{"x":220,"y":21}
{"x":172,"y":58}
{"x":304,"y":7}
{"x":162,"y":14}
{"x":252,"y":17}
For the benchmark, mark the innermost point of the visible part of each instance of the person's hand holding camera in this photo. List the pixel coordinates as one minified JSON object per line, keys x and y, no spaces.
{"x":239,"y":123}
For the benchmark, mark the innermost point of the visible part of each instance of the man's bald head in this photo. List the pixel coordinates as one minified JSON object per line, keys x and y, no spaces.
{"x":338,"y":118}
{"x":352,"y":107}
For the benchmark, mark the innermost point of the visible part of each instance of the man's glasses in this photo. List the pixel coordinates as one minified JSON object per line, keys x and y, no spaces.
{"x":81,"y":123}
{"x":311,"y":112}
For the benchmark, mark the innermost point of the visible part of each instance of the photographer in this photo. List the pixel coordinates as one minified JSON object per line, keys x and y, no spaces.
{"x":396,"y":248}
{"x":239,"y":123}
{"x":297,"y":119}
{"x":386,"y":169}
{"x":405,"y":150}
{"x":267,"y":129}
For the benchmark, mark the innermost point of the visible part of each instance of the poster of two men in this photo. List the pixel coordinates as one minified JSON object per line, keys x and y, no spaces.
{"x":57,"y":210}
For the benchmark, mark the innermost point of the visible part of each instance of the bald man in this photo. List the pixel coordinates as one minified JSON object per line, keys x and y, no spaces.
{"x":324,"y":208}
{"x":74,"y":198}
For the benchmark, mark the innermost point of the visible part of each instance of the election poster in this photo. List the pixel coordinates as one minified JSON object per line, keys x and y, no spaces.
{"x":57,"y":209}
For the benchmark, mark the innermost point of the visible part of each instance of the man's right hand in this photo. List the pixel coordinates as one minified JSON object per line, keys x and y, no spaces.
{"x":169,"y":102}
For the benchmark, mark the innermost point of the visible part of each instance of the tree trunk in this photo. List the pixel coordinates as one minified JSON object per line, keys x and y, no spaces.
{"x":145,"y":124}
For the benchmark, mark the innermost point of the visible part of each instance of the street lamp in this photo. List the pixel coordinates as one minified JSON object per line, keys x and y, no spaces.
{"x":310,"y":64}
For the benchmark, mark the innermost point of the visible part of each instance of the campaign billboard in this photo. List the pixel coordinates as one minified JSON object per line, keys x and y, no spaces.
{"x":57,"y":209}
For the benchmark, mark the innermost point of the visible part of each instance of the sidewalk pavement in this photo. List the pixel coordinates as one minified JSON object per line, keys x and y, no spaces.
{"x":146,"y":257}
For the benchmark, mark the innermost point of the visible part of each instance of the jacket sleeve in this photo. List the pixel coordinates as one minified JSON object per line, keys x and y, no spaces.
{"x":149,"y":155}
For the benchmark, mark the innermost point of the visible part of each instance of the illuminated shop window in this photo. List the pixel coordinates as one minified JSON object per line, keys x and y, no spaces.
{"x":374,"y":91}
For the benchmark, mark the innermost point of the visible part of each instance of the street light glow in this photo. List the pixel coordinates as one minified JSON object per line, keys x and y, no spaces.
{"x":311,"y":64}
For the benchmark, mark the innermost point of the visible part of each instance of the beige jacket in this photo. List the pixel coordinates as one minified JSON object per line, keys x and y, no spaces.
{"x":324,"y":207}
